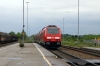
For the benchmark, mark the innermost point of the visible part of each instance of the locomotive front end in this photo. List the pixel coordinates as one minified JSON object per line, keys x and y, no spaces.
{"x":53,"y":37}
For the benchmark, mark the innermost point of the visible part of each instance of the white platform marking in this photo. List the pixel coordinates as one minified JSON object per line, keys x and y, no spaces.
{"x":43,"y":55}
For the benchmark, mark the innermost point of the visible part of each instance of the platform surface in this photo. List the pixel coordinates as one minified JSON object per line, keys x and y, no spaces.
{"x":30,"y":55}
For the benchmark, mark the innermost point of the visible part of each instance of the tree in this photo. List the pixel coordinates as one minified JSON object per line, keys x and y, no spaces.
{"x":12,"y":33}
{"x":19,"y":35}
{"x":32,"y":37}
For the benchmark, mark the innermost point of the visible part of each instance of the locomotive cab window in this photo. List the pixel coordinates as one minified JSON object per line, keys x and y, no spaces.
{"x":52,"y":30}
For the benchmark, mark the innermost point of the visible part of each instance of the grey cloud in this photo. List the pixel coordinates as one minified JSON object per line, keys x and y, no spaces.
{"x":45,"y":12}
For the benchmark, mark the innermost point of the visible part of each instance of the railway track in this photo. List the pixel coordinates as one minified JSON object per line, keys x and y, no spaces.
{"x":95,"y":53}
{"x":72,"y":60}
{"x":2,"y":45}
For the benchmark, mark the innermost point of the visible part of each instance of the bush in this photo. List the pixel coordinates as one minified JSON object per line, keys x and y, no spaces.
{"x":21,"y":44}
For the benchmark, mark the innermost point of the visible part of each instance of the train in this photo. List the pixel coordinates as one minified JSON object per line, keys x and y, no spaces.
{"x":49,"y":37}
{"x":7,"y":38}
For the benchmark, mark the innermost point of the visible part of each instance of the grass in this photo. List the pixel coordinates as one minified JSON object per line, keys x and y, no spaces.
{"x":28,"y":41}
{"x":80,"y":44}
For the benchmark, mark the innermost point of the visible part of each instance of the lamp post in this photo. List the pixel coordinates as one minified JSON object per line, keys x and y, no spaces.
{"x":78,"y":21}
{"x":27,"y":20}
{"x":63,"y":28}
{"x":23,"y":22}
{"x":29,"y":31}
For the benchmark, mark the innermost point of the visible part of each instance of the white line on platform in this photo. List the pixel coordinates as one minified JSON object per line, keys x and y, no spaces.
{"x":43,"y":55}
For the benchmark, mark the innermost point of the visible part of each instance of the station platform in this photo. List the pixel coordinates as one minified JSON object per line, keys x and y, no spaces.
{"x":30,"y":55}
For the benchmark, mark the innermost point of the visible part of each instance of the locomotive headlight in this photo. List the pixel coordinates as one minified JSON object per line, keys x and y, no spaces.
{"x":57,"y":37}
{"x":48,"y":37}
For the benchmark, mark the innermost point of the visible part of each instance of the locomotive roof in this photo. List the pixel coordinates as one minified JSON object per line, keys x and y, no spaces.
{"x":43,"y":28}
{"x":51,"y":26}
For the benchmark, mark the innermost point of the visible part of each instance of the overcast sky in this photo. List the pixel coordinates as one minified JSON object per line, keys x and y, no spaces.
{"x":45,"y":12}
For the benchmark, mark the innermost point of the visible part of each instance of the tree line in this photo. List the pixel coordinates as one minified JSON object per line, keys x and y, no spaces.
{"x":20,"y":36}
{"x":81,"y":37}
{"x":67,"y":37}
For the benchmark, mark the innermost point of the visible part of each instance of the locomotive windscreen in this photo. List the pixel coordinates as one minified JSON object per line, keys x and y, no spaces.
{"x":52,"y":30}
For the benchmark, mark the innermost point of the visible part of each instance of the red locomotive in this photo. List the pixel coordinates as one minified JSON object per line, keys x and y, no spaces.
{"x":49,"y":36}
